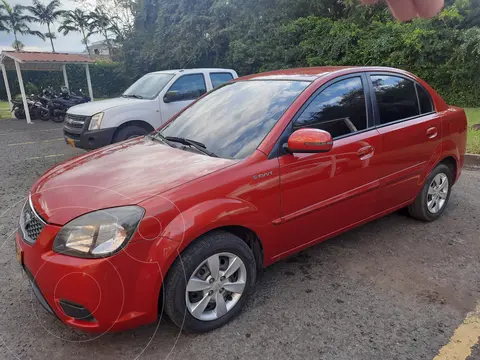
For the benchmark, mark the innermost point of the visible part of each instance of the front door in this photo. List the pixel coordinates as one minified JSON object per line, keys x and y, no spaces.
{"x":183,"y":91}
{"x":322,"y":194}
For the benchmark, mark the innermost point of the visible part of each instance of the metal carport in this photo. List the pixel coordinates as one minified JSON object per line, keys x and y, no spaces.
{"x":40,"y":61}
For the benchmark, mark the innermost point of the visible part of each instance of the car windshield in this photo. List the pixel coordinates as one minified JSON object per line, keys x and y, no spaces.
{"x":233,"y":120}
{"x":148,"y":86}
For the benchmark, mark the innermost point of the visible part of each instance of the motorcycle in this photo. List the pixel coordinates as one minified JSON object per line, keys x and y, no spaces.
{"x":19,"y":109}
{"x":59,"y":105}
{"x":41,"y":109}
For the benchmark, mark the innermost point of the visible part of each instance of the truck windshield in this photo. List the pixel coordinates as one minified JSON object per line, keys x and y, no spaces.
{"x":148,"y":86}
{"x":232,"y":121}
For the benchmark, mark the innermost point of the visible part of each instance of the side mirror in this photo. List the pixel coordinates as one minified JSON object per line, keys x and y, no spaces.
{"x":310,"y":141}
{"x":171,"y":96}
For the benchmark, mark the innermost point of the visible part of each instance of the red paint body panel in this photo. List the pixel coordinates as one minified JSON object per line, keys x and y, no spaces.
{"x":290,"y":202}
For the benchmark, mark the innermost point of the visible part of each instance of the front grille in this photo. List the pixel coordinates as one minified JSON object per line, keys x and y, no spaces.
{"x":75,"y":121}
{"x":30,"y":223}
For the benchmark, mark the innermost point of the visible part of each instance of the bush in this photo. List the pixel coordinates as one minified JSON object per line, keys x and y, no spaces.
{"x":108,"y":80}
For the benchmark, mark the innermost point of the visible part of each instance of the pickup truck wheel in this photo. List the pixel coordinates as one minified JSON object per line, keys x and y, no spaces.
{"x":433,"y":199}
{"x":129,"y":132}
{"x":209,"y":283}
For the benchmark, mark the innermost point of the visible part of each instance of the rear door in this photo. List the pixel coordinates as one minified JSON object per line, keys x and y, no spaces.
{"x":411,"y":134}
{"x":323,"y":194}
{"x":181,"y":93}
{"x":219,"y":78}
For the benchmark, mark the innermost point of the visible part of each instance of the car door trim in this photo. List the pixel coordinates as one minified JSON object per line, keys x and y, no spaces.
{"x":328,"y":202}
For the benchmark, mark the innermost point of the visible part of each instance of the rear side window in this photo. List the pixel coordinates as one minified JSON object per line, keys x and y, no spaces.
{"x":426,"y":105}
{"x":339,"y":109}
{"x":220,"y":78}
{"x":396,"y":98}
{"x":188,"y":87}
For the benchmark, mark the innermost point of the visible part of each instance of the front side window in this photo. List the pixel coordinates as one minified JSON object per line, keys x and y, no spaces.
{"x":339,"y":109}
{"x":188,"y":87}
{"x":396,"y":98}
{"x":233,"y":120}
{"x":220,"y":78}
{"x":148,"y":86}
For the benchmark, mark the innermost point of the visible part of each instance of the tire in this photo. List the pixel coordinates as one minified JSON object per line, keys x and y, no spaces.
{"x":185,"y":267}
{"x":58,"y":119}
{"x":129,"y":132}
{"x":19,"y":114}
{"x":41,"y":114}
{"x":420,"y":208}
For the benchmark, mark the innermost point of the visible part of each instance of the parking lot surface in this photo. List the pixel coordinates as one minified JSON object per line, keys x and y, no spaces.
{"x":393,"y":289}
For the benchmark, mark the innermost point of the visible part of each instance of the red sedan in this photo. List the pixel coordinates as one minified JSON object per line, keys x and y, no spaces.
{"x":256,"y":170}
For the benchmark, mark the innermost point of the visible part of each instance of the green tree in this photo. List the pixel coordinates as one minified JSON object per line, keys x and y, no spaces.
{"x":76,"y":21}
{"x":103,"y":24}
{"x":13,"y":20}
{"x":46,"y":15}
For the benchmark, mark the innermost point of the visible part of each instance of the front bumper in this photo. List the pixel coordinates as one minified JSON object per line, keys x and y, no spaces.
{"x":98,"y":295}
{"x":76,"y":133}
{"x":89,"y":140}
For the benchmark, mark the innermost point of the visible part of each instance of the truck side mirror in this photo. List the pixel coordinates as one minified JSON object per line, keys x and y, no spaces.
{"x":171,"y":96}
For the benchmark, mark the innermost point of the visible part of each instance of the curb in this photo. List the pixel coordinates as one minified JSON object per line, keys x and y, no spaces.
{"x":472,"y":161}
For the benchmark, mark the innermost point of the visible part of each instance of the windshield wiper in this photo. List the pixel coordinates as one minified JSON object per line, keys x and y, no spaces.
{"x":197,"y":145}
{"x":161,"y":138}
{"x":133,"y":96}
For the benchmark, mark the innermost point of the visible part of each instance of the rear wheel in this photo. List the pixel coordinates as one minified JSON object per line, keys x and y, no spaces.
{"x":19,"y":114}
{"x":129,"y":132}
{"x":210,"y":282}
{"x":58,"y":118}
{"x":433,"y":199}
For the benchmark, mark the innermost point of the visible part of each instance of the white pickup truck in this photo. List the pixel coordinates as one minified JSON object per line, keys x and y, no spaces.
{"x":143,"y":107}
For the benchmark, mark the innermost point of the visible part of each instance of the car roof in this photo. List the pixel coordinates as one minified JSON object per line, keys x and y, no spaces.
{"x":313,"y":73}
{"x":190,"y":71}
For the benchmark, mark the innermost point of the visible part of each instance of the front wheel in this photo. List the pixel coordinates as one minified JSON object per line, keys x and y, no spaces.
{"x":433,"y":199}
{"x":210,"y":282}
{"x":129,"y":132}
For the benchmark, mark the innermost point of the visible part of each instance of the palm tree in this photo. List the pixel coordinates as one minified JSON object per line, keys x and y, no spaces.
{"x":18,"y":45}
{"x":77,"y":21}
{"x":13,"y":20}
{"x":46,"y":15}
{"x":101,"y":23}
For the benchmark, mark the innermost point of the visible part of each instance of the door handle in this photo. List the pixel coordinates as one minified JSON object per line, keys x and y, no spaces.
{"x":365,"y":152}
{"x":432,"y":132}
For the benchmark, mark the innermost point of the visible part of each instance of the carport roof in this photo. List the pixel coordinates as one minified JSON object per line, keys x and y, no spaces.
{"x":30,"y":60}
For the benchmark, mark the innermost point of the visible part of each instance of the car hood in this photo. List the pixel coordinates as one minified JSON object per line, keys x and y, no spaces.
{"x":121,"y":174}
{"x":92,"y":108}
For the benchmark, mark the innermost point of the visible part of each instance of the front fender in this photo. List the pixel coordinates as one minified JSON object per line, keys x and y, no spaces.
{"x":211,"y":214}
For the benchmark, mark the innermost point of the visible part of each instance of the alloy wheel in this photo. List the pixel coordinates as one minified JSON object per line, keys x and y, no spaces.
{"x":215,"y":286}
{"x":437,"y":193}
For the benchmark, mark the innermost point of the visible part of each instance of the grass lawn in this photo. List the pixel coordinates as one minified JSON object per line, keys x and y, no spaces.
{"x":473,"y":142}
{"x":4,"y":110}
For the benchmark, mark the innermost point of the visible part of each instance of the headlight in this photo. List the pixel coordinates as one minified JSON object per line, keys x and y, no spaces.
{"x":98,"y":234}
{"x":96,"y":121}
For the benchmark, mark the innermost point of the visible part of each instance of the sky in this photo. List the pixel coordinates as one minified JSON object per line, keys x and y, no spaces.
{"x":69,"y":43}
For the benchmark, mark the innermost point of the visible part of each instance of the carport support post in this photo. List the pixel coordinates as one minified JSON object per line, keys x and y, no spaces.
{"x":65,"y":77}
{"x":7,"y":87}
{"x":22,"y":90}
{"x":89,"y":82}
